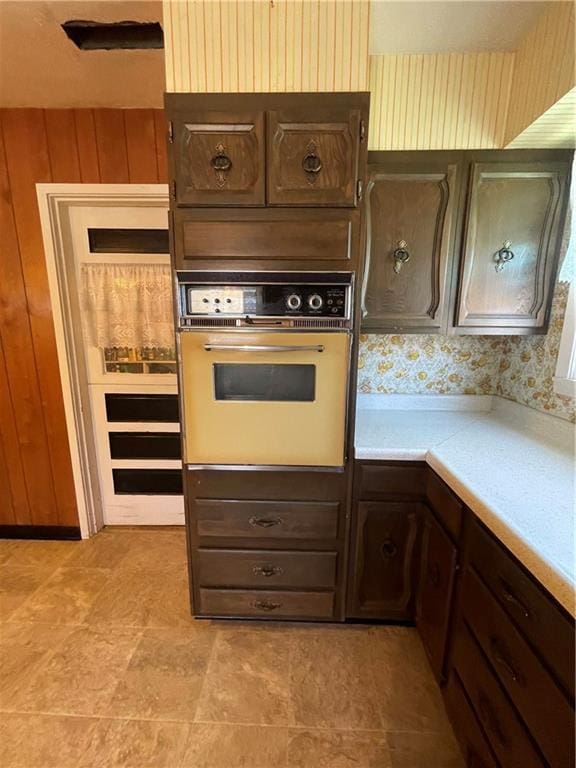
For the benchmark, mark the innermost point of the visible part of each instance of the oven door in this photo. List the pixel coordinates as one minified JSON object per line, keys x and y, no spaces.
{"x":264,"y":398}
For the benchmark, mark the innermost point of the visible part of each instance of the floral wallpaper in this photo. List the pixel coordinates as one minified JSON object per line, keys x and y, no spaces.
{"x":519,"y":368}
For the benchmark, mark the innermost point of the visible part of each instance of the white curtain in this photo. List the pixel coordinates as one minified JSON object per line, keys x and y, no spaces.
{"x":127,"y":305}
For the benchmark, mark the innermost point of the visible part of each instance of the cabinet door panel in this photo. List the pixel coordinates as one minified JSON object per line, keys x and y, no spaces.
{"x":313,"y":157}
{"x":439,"y":558}
{"x":411,"y":218}
{"x":512,"y":238}
{"x":384,"y":568}
{"x":218,"y":158}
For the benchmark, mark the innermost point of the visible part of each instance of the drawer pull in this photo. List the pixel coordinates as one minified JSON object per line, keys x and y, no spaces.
{"x":266,"y":605}
{"x":434,"y":574}
{"x":490,"y":719}
{"x":267,"y":570}
{"x":264,"y":522}
{"x":500,"y":656}
{"x":511,"y":599}
{"x":388,"y":549}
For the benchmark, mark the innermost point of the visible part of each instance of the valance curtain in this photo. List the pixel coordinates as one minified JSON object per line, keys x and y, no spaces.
{"x":127,"y":305}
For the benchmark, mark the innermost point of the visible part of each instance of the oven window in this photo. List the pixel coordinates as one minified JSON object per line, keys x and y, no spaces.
{"x":260,"y":382}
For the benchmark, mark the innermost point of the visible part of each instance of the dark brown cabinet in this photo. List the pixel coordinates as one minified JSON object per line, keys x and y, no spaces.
{"x":411,"y":218}
{"x":463,"y":242}
{"x":513,"y":230}
{"x":439,"y":563}
{"x":218,"y":158}
{"x":385,"y":570}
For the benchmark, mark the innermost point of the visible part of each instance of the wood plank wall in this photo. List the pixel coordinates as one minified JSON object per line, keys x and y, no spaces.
{"x":52,"y":145}
{"x":229,"y":46}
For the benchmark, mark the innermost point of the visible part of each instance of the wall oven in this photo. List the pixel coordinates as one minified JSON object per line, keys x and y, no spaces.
{"x":265,"y":363}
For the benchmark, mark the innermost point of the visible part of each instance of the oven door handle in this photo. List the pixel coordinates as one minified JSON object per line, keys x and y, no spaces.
{"x":264,"y":348}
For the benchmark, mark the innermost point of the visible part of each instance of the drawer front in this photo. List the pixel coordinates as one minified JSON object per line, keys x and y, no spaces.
{"x":545,"y":710}
{"x":379,"y":481}
{"x":277,"y":604}
{"x":504,"y":729}
{"x":539,"y":620}
{"x":218,"y":159}
{"x":474,"y":746}
{"x":311,"y":160}
{"x":269,"y":240}
{"x":445,"y":504}
{"x":266,"y":519}
{"x":265,"y":568}
{"x":439,"y":558}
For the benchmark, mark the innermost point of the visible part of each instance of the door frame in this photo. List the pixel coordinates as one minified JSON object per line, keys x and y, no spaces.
{"x":54,"y":203}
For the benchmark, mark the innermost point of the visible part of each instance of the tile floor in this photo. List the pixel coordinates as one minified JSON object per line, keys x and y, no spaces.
{"x":101,"y":665}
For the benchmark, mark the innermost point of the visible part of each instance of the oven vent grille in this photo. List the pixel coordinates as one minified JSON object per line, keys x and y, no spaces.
{"x":207,"y":322}
{"x":320,"y":323}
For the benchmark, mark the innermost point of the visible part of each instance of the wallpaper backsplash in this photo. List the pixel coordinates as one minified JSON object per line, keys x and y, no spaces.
{"x":519,"y":368}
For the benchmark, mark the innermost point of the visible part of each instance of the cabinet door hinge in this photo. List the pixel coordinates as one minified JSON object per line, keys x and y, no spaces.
{"x":173,"y":190}
{"x":170,"y":132}
{"x":362,"y":130}
{"x":359,"y":189}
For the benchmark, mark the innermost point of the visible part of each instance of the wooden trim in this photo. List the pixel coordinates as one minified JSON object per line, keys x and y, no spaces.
{"x":55,"y":532}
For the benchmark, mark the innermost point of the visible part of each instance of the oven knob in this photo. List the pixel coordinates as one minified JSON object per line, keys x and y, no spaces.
{"x":315,"y":301}
{"x":294,"y":301}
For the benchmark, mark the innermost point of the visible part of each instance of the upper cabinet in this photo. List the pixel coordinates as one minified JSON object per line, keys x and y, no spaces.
{"x":463,"y":242}
{"x":219,"y":158}
{"x":277,"y":149}
{"x":511,"y":244}
{"x":411,"y":218}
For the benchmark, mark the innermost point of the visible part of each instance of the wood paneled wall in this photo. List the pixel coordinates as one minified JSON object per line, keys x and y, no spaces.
{"x":543,"y":69}
{"x":257,"y":45}
{"x":104,"y":145}
{"x":439,"y":101}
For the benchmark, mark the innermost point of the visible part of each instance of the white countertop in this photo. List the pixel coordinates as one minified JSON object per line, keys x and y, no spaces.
{"x":513,"y":466}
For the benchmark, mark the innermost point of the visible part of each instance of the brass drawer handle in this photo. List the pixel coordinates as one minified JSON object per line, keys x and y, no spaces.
{"x":311,"y":163}
{"x":512,"y":599}
{"x":264,"y":522}
{"x":500,"y":656}
{"x":266,"y":605}
{"x":267,"y":570}
{"x":221,"y":163}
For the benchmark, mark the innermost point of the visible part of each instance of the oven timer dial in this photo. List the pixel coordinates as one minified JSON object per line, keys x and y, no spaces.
{"x":293,"y":301}
{"x":315,"y":301}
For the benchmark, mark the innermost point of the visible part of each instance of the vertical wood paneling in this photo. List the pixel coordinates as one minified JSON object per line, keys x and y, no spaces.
{"x":544,"y":68}
{"x":439,"y":101}
{"x":36,"y":485}
{"x":254,"y":45}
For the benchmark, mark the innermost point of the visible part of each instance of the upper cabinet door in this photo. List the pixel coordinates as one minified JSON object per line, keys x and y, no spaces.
{"x":313,"y":156}
{"x":411,"y":216}
{"x":513,"y":230}
{"x":218,"y":158}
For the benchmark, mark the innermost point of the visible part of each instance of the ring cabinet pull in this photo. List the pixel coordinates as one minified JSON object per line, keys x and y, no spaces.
{"x":401,"y":256}
{"x":388,"y":549}
{"x":503,"y":256}
{"x":312,"y":163}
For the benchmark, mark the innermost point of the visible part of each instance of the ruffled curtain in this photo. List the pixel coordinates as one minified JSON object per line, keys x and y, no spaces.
{"x":128,"y":305}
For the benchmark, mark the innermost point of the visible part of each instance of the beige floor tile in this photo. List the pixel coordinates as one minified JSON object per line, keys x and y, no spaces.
{"x":154,"y":549}
{"x":165,"y":675}
{"x":44,"y":553}
{"x":9,"y":549}
{"x":135,"y":744}
{"x":408,"y":694}
{"x":170,"y":599}
{"x":43,"y":741}
{"x":423,"y":750}
{"x":79,"y":678}
{"x":65,"y":598}
{"x":337,"y":749}
{"x":212,"y":745}
{"x":104,"y":550}
{"x":331,"y":681}
{"x":17,"y":583}
{"x":247,"y":679}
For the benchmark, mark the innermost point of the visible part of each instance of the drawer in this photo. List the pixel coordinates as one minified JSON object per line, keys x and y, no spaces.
{"x":447,"y":507}
{"x":265,"y":568}
{"x":543,"y":707}
{"x":504,"y":729}
{"x":474,"y":746}
{"x":266,"y":519}
{"x":379,"y":481}
{"x":545,"y":627}
{"x":261,"y":603}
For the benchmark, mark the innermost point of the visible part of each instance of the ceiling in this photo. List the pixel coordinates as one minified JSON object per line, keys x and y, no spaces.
{"x":413,"y":26}
{"x":41,"y":67}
